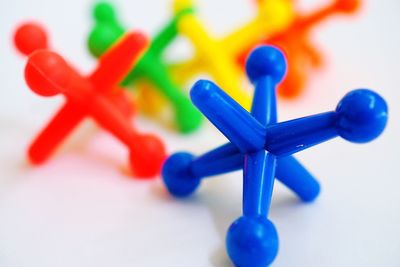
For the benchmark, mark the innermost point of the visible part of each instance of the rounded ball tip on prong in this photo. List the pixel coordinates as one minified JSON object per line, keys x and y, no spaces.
{"x":252,"y":242}
{"x":102,"y":37}
{"x":203,"y":93}
{"x":47,"y":73}
{"x":147,"y":163}
{"x":266,"y":61}
{"x":177,"y":177}
{"x":362,"y":116}
{"x":30,"y":37}
{"x":104,"y":12}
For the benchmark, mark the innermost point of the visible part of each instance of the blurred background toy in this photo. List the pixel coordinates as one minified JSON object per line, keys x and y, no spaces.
{"x":277,"y":23}
{"x":96,"y":95}
{"x":150,"y":69}
{"x":31,"y":36}
{"x":298,"y":46}
{"x":217,"y":56}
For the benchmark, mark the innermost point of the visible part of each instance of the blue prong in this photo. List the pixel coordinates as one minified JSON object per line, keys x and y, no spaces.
{"x":360,"y":117}
{"x":226,"y":114}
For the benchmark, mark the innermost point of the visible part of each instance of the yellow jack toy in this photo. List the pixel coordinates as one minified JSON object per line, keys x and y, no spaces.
{"x":217,"y":57}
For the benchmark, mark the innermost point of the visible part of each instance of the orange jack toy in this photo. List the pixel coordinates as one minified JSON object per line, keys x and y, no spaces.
{"x":300,"y":52}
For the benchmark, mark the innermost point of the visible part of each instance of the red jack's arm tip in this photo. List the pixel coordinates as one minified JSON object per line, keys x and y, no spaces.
{"x":46,"y":73}
{"x":30,"y":37}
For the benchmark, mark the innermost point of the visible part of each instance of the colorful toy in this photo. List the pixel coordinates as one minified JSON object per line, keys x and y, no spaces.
{"x":28,"y":38}
{"x":263,"y":148}
{"x":48,"y":74}
{"x":149,"y":69}
{"x":298,"y":46}
{"x":293,"y":37}
{"x":218,"y":56}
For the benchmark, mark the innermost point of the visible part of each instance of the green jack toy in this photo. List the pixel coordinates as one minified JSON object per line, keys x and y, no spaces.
{"x":150,"y":68}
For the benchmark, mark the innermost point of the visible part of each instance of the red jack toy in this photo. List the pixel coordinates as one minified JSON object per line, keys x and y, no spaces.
{"x":48,"y":74}
{"x":30,"y":37}
{"x":296,"y":44}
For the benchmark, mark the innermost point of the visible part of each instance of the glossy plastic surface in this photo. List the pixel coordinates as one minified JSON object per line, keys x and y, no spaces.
{"x":295,"y":41}
{"x":30,"y":37}
{"x":217,"y":56}
{"x":48,"y":74}
{"x":262,"y":147}
{"x":150,"y":68}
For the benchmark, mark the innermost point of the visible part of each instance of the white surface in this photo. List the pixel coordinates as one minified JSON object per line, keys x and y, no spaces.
{"x":82,"y":210}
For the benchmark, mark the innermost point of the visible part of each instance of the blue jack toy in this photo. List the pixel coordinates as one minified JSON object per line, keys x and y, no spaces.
{"x":262,"y":147}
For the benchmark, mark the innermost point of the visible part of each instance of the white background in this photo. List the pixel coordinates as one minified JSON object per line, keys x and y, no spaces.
{"x":81,"y":209}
